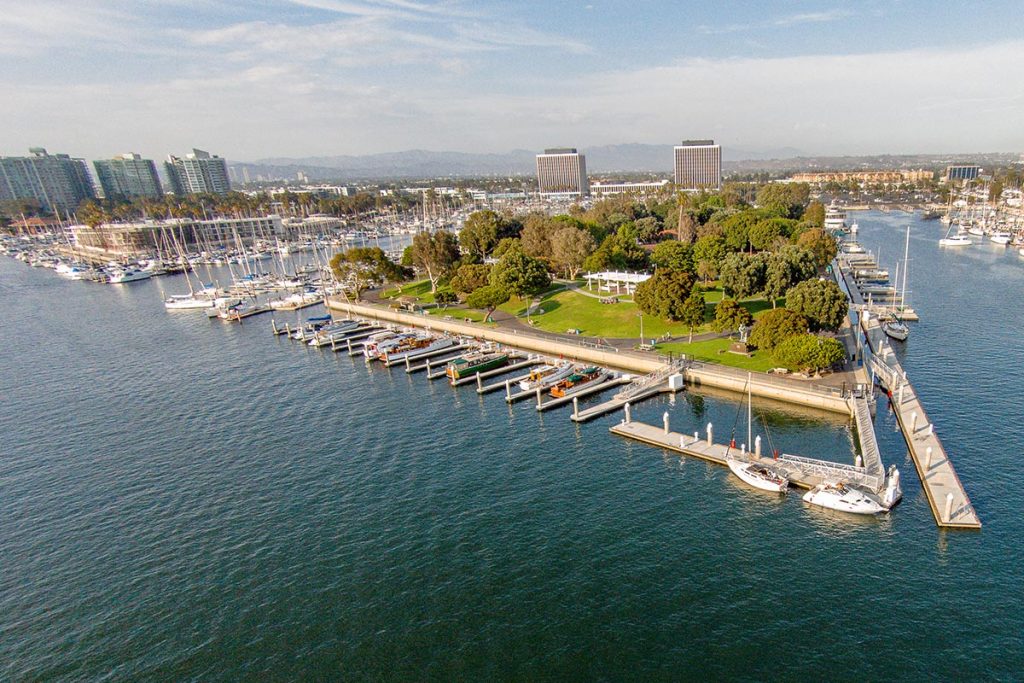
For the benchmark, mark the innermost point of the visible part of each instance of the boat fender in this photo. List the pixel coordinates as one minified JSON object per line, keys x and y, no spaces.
{"x":775,"y":454}
{"x":732,"y":443}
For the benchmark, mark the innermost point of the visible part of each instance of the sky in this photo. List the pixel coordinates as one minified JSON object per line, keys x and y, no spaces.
{"x":291,"y":78}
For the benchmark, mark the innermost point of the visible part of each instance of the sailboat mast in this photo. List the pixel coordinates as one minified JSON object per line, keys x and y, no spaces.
{"x":750,"y":443}
{"x":906,"y":267}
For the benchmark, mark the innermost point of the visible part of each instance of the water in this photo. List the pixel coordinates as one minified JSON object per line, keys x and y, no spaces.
{"x":182,"y":499}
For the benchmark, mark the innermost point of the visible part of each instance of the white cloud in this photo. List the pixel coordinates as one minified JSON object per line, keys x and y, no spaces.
{"x":779,"y":22}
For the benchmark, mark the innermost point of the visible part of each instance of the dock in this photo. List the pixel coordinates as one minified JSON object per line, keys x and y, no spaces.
{"x":480,"y":376}
{"x":442,"y":360}
{"x":604,"y":385}
{"x":421,"y":355}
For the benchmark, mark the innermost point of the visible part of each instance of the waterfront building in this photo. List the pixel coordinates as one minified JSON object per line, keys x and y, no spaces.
{"x":141,"y":237}
{"x":599,"y":188}
{"x":962,"y":172}
{"x":128,"y":175}
{"x":870,"y":177}
{"x":197,"y":173}
{"x":56,"y":181}
{"x":562,"y":171}
{"x":698,"y":165}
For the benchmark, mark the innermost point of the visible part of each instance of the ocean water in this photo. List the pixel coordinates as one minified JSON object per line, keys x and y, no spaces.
{"x":182,"y":499}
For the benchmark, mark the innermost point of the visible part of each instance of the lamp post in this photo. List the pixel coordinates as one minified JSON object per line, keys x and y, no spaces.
{"x":641,"y":314}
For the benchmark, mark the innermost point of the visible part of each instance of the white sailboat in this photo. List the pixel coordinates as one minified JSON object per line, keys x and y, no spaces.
{"x":960,"y":239}
{"x":844,"y":498}
{"x":751,"y":471}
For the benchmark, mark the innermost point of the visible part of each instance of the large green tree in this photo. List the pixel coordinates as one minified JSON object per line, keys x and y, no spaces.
{"x":819,"y":243}
{"x":774,"y":327}
{"x":742,"y":275}
{"x":809,"y":352}
{"x":730,"y":315}
{"x":470,"y":277}
{"x":488,"y":297}
{"x":784,"y":199}
{"x":787,"y":267}
{"x":673,"y":255}
{"x":692,"y":313}
{"x":520,"y":274}
{"x":710,"y":248}
{"x":822,"y":302}
{"x":479,"y":234}
{"x":435,"y":253}
{"x":664,"y":294}
{"x":570,"y":247}
{"x":361,"y":267}
{"x":815,"y":214}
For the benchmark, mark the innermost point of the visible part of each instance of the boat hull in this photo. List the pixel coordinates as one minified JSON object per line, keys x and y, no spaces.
{"x":742,"y":469}
{"x":850,"y":500}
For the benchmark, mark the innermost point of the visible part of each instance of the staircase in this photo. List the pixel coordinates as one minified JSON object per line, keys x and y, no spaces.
{"x":645,"y":383}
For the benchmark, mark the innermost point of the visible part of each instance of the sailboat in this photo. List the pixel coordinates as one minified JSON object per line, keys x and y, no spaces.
{"x":960,"y":239}
{"x":751,"y":471}
{"x":896,"y":328}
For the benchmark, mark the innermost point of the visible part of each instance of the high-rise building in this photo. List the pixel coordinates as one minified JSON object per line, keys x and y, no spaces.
{"x":128,"y":175}
{"x":698,"y":165}
{"x":57,"y":181}
{"x":962,"y":172}
{"x":198,"y":172}
{"x":562,"y":170}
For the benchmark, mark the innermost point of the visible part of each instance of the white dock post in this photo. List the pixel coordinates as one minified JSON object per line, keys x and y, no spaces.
{"x":913,"y":422}
{"x":899,"y":398}
{"x":757,"y":445}
{"x":928,"y":458}
{"x":858,"y":461}
{"x":479,"y":381}
{"x":629,"y":417}
{"x":538,"y":398}
{"x":428,"y":367}
{"x":931,"y":428}
{"x":664,"y":421}
{"x":288,"y":329}
{"x":273,"y":323}
{"x":711,"y":434}
{"x":696,"y":437}
{"x":408,"y":364}
{"x":349,"y":345}
{"x":508,"y":389}
{"x":334,"y":342}
{"x":949,"y":506}
{"x":576,"y":407}
{"x":743,"y":449}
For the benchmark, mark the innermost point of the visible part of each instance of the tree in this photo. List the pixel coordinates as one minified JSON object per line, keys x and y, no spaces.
{"x":361,"y":267}
{"x":673,"y":255}
{"x":774,"y":327}
{"x":736,"y":230}
{"x":706,"y":271}
{"x":710,"y":248}
{"x":488,"y":297}
{"x":742,"y":275}
{"x":536,"y":235}
{"x":686,"y":230}
{"x":435,"y":253}
{"x":445,"y":297}
{"x":618,"y":252}
{"x":664,"y":293}
{"x":821,"y":301}
{"x":784,"y":199}
{"x":648,"y":229}
{"x":470,"y":277}
{"x":479,"y":234}
{"x":815,"y":214}
{"x":570,"y":247}
{"x":692,"y":313}
{"x":520,"y":274}
{"x":787,"y":267}
{"x":505,"y":245}
{"x":809,"y":352}
{"x":819,"y":243}
{"x":730,"y":315}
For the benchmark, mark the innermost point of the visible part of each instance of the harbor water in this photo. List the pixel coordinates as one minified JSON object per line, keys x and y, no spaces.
{"x":182,"y":499}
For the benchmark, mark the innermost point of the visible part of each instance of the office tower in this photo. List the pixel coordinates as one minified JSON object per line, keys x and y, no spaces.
{"x":562,"y":170}
{"x":698,"y":165}
{"x":197,"y":172}
{"x":57,"y":181}
{"x":128,"y":175}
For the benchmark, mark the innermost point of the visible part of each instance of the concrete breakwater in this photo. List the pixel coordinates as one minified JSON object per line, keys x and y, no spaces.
{"x":696,"y":373}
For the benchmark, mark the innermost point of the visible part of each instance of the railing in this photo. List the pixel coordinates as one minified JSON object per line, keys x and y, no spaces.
{"x":834,"y":470}
{"x":642,"y":384}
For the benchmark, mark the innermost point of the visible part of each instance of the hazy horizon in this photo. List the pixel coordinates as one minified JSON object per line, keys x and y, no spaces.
{"x":301,"y":78}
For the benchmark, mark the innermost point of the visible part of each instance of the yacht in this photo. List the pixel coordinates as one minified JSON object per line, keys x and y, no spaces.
{"x":957,"y":240}
{"x":835,"y":218}
{"x":546,"y":376}
{"x":757,"y":475}
{"x":121,"y":275}
{"x":896,"y":329}
{"x":844,"y":498}
{"x":1002,"y":238}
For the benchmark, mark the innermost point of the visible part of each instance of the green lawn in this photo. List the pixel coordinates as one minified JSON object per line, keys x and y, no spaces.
{"x":716,"y":351}
{"x":419,"y":289}
{"x":459,"y":314}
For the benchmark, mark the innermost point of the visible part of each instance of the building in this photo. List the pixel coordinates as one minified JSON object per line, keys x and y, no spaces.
{"x":128,"y":175}
{"x":143,"y":237}
{"x":562,"y":171}
{"x":698,"y":165}
{"x":56,"y":181}
{"x":197,"y":173}
{"x":599,"y":188}
{"x":869,"y":177}
{"x":961,"y":172}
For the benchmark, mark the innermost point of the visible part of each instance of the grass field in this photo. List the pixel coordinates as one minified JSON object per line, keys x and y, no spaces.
{"x":716,"y":351}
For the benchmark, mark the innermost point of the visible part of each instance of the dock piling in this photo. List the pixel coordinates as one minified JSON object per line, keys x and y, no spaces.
{"x":664,"y":420}
{"x":949,"y":506}
{"x":479,"y":381}
{"x":349,"y":346}
{"x":538,"y":398}
{"x":629,"y":418}
{"x":913,"y":422}
{"x":508,"y":390}
{"x":711,"y":434}
{"x":288,"y":329}
{"x":334,"y":344}
{"x":408,"y":365}
{"x":273,"y":324}
{"x":575,"y":407}
{"x":757,"y":445}
{"x":928,"y":458}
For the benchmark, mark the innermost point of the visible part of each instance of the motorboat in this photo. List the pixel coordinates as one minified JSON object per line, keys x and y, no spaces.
{"x":1002,"y":238}
{"x":976,"y":230}
{"x":896,"y":329}
{"x":546,"y":376}
{"x":374,"y":340}
{"x":420,"y":347}
{"x":958,"y":240}
{"x":844,"y":498}
{"x":854,"y":228}
{"x":835,"y":218}
{"x":119,"y":276}
{"x":757,"y":475}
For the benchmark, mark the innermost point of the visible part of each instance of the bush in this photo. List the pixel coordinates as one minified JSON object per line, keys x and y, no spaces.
{"x":729,"y":315}
{"x":775,"y":326}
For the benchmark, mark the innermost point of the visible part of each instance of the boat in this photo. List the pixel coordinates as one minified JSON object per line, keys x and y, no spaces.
{"x":177,"y":302}
{"x":896,"y":329}
{"x":578,"y":381}
{"x":960,"y":239}
{"x":976,"y":230}
{"x":843,"y":497}
{"x":471,"y":364}
{"x":835,"y":218}
{"x":1002,"y":238}
{"x":752,"y":472}
{"x":72,"y":271}
{"x":854,"y":228}
{"x":333,"y":332}
{"x":427,"y":345}
{"x":545,"y":376}
{"x":852,"y":248}
{"x":376,"y":339}
{"x":122,"y":275}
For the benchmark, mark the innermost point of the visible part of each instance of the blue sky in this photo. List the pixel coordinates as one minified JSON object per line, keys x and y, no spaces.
{"x":321,"y":77}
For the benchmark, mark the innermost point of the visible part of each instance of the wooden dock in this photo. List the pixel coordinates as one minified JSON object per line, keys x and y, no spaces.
{"x":617,"y":403}
{"x":505,"y":384}
{"x":604,"y":385}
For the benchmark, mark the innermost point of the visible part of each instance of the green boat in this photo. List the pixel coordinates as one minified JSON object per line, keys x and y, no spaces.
{"x":469,"y":365}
